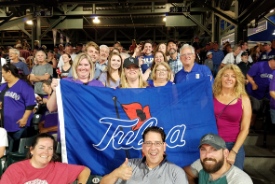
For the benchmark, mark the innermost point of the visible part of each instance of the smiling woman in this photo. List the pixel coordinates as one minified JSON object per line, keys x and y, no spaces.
{"x":41,"y":166}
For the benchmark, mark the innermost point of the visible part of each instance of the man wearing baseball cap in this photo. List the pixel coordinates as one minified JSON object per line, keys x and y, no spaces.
{"x":212,"y":167}
{"x":269,"y":52}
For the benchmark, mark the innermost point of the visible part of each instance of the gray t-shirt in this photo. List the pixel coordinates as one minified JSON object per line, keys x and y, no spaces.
{"x":103,"y":78}
{"x":41,"y":70}
{"x":166,"y":172}
{"x":233,"y":176}
{"x":209,"y":63}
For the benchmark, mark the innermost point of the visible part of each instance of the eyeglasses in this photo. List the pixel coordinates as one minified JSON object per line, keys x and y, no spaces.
{"x":188,"y":54}
{"x":149,"y":144}
{"x":161,"y":70}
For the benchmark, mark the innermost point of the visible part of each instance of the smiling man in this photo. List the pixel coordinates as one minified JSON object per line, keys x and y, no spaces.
{"x":212,"y":167}
{"x":191,"y":70}
{"x":153,"y":168}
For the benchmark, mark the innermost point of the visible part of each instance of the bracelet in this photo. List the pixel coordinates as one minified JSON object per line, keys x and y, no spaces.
{"x":234,"y":152}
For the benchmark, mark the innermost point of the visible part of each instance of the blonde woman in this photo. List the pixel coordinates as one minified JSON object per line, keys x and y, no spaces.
{"x":161,"y":75}
{"x":83,"y":73}
{"x":232,"y":110}
{"x":131,"y":76}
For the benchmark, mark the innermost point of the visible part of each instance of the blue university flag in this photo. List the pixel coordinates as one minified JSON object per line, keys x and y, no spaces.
{"x":99,"y":126}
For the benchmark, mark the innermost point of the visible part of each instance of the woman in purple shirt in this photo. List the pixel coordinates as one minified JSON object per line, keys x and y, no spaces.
{"x":232,"y":110}
{"x":17,"y":101}
{"x":83,"y":72}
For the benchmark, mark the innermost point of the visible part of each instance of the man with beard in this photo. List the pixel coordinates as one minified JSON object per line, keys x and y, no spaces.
{"x":212,"y":167}
{"x":101,"y":65}
{"x":174,"y":60}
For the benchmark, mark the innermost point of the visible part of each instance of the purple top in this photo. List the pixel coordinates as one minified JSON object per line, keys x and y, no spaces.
{"x":262,"y":74}
{"x":16,"y":99}
{"x":50,"y":118}
{"x":91,"y":83}
{"x":272,"y":88}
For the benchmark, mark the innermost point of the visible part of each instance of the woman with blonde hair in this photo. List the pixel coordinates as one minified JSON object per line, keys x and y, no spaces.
{"x":111,"y":78}
{"x":161,"y":75}
{"x":232,"y":110}
{"x":83,"y":72}
{"x":131,"y":76}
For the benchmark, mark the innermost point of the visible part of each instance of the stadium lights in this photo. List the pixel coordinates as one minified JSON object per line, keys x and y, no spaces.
{"x":271,"y":10}
{"x":164,"y":19}
{"x":273,"y":33}
{"x":96,"y":20}
{"x":29,"y":22}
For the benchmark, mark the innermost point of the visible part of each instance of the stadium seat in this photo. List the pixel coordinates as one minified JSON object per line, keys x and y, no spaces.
{"x":35,"y":121}
{"x":4,"y":158}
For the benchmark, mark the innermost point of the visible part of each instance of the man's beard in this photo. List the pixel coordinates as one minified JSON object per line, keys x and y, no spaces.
{"x":212,"y":168}
{"x":172,"y":52}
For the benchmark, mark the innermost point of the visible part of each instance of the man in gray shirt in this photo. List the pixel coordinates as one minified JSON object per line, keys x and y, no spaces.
{"x":212,"y":167}
{"x":153,"y":168}
{"x":41,"y":72}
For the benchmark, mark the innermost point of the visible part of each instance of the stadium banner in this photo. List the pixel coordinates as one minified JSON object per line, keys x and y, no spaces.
{"x":100,"y":126}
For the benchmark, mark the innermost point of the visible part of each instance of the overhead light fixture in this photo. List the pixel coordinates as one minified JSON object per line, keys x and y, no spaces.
{"x":273,"y":33}
{"x":164,"y":19}
{"x":96,"y":20}
{"x":29,"y":22}
{"x":271,"y":10}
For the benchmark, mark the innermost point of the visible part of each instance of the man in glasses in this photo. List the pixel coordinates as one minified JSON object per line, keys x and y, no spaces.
{"x":212,"y":167}
{"x":191,"y":70}
{"x":152,"y":168}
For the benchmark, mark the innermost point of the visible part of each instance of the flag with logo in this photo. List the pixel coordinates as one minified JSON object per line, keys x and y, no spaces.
{"x":100,"y":126}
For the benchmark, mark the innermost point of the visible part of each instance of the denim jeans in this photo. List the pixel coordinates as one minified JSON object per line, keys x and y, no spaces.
{"x":239,"y":161}
{"x":15,"y":136}
{"x":215,"y":70}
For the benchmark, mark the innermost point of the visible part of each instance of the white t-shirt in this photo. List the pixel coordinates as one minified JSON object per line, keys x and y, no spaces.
{"x":3,"y":61}
{"x":61,"y":62}
{"x":3,"y":141}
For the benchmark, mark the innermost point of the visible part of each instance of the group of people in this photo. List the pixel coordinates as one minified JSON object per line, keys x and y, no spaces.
{"x":165,"y":65}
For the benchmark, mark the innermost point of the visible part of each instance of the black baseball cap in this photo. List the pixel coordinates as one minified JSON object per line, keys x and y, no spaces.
{"x":267,"y":43}
{"x":244,"y":54}
{"x":130,"y":61}
{"x":213,"y":140}
{"x":68,"y":44}
{"x":80,"y":44}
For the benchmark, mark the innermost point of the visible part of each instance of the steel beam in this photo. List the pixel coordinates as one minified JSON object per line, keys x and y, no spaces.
{"x":166,"y":35}
{"x":26,"y":32}
{"x":222,"y":15}
{"x":70,"y":9}
{"x":227,"y":29}
{"x":125,"y":35}
{"x":55,"y":23}
{"x":270,"y":21}
{"x":16,"y":21}
{"x":198,"y":23}
{"x":143,"y":34}
{"x":105,"y":34}
{"x":88,"y":35}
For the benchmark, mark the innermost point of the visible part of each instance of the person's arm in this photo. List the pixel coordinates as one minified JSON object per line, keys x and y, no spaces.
{"x":252,"y":82}
{"x":272,"y":94}
{"x":244,"y":129}
{"x":146,"y":74}
{"x":23,"y":121}
{"x":221,"y":66}
{"x":124,"y":172}
{"x":42,"y":129}
{"x":84,"y":176}
{"x":52,"y":101}
{"x":225,"y":61}
{"x":54,"y":63}
{"x":2,"y":151}
{"x":190,"y":176}
{"x":37,"y":78}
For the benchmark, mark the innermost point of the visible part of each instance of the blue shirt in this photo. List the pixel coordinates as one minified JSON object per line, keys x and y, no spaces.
{"x":147,"y":62}
{"x":265,"y":56}
{"x":217,"y":56}
{"x":23,"y":66}
{"x":197,"y":72}
{"x":175,"y":65}
{"x":151,"y":83}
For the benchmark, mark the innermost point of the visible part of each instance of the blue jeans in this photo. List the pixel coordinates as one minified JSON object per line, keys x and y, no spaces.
{"x":239,"y":161}
{"x":215,"y":70}
{"x":272,"y":114}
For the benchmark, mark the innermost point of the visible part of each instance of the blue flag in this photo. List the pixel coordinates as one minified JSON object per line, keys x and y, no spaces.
{"x":99,"y":127}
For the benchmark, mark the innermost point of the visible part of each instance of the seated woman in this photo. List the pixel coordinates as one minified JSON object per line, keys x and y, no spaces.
{"x":111,"y":78}
{"x":17,"y":102}
{"x":131,"y":76}
{"x":65,"y":69}
{"x":232,"y":110}
{"x":83,"y":73}
{"x":49,"y":120}
{"x":161,"y":75}
{"x":158,"y":57}
{"x":41,"y":166}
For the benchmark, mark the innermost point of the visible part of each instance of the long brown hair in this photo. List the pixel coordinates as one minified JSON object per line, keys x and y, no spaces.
{"x":154,"y":63}
{"x":109,"y":68}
